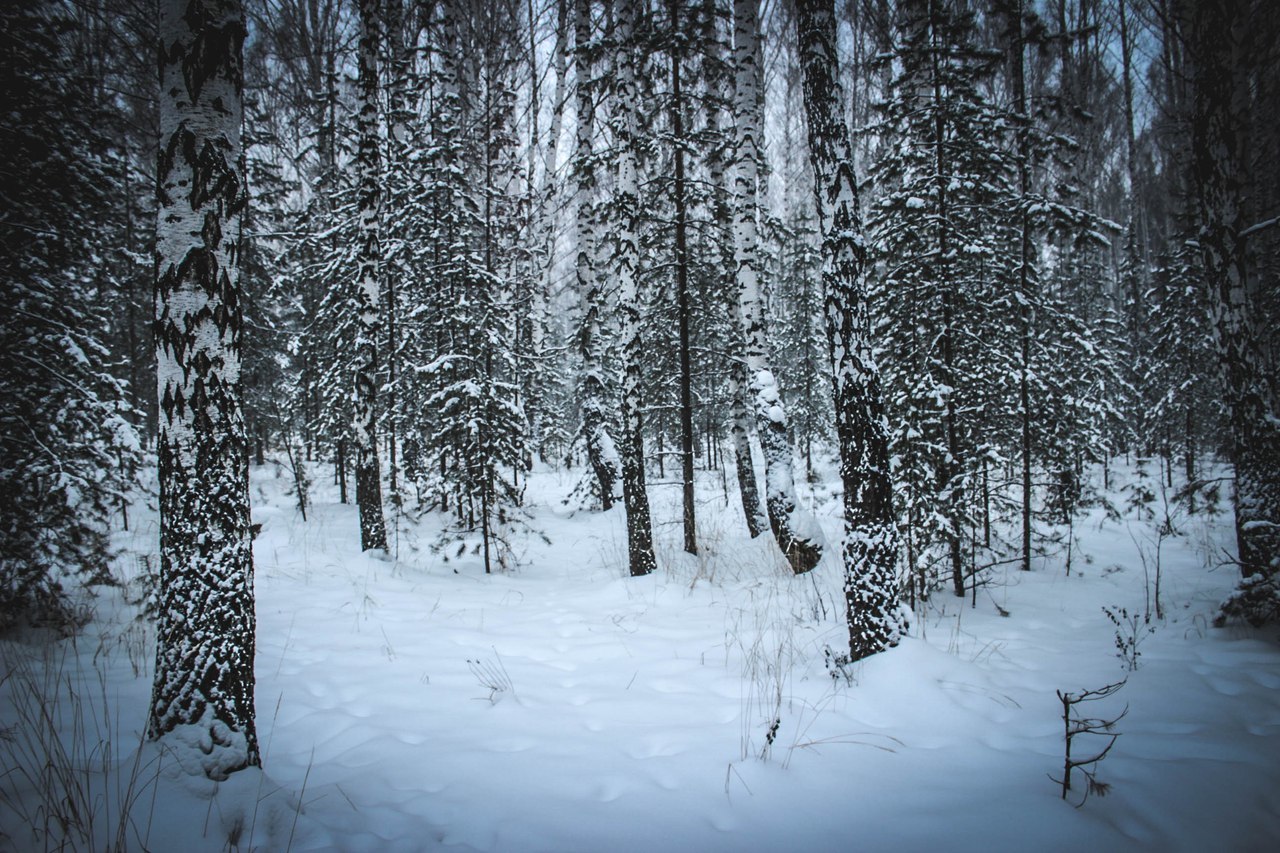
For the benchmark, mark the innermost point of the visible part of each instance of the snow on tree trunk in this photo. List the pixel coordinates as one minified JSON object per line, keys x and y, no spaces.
{"x":797,"y":534}
{"x":600,"y":448}
{"x":1219,"y":131}
{"x":399,"y":118}
{"x":202,"y":699}
{"x":547,"y":228}
{"x":683,"y":308}
{"x":739,"y":431}
{"x":626,"y":262}
{"x":871,"y":540}
{"x":716,"y":76}
{"x":373,"y":528}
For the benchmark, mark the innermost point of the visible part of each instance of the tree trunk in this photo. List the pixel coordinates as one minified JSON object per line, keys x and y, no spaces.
{"x":796,"y":533}
{"x":949,"y":476}
{"x":398,"y":119}
{"x":871,"y":535}
{"x":1023,"y":139}
{"x":718,"y":164}
{"x":739,"y":430}
{"x":600,"y":448}
{"x":373,"y":528}
{"x":627,"y":260}
{"x":203,"y":692}
{"x":682,"y":284}
{"x":1219,"y":162}
{"x":547,"y":227}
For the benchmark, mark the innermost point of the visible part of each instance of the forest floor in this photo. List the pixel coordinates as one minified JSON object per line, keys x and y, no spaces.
{"x":414,"y":703}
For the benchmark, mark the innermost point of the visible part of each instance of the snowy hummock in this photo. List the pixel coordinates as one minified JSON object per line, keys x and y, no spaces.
{"x":621,"y":713}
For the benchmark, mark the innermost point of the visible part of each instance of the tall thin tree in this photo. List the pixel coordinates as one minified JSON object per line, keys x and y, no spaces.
{"x":602,"y":455}
{"x":796,"y":533}
{"x":1219,"y":133}
{"x":368,"y":290}
{"x":683,"y":307}
{"x":871,"y":537}
{"x":626,"y":265}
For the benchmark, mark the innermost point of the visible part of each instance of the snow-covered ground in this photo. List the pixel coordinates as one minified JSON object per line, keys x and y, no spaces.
{"x":417,"y":704}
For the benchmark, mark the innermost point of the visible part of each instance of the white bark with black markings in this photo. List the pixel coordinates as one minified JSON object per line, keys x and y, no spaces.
{"x":797,"y":534}
{"x":601,"y":454}
{"x":202,"y":697}
{"x":871,"y":537}
{"x":367,"y":294}
{"x":626,"y":264}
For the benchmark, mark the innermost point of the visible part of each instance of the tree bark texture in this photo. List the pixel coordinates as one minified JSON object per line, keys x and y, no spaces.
{"x":202,"y":698}
{"x":373,"y":527}
{"x":716,"y":75}
{"x":740,"y":432}
{"x":871,"y":538}
{"x":626,"y":263}
{"x":683,"y":308}
{"x":601,"y":454}
{"x":795,"y":532}
{"x":1219,"y":162}
{"x":547,"y":220}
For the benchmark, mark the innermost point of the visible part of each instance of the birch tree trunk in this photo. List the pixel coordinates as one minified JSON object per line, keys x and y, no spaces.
{"x":1219,"y":162}
{"x":719,"y":167}
{"x":740,"y":432}
{"x":871,"y":538}
{"x":626,"y":263}
{"x":546,"y":229}
{"x":202,"y":698}
{"x":797,"y":534}
{"x":373,"y":528}
{"x":601,"y":453}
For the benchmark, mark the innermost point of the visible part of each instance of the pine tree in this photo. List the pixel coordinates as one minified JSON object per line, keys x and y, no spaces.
{"x":468,"y":432}
{"x":203,"y":693}
{"x":870,"y":543}
{"x":1179,"y":368}
{"x":1046,"y":206}
{"x":67,"y":448}
{"x":293,"y":62}
{"x":942,"y":170}
{"x":1086,"y":375}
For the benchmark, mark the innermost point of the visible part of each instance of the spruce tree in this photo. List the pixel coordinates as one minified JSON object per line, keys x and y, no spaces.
{"x":67,"y":448}
{"x":942,"y":169}
{"x":467,"y":429}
